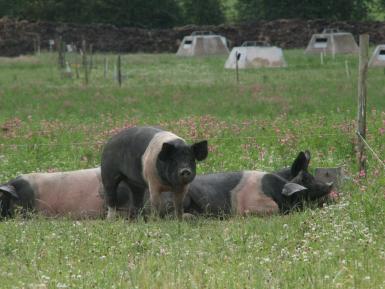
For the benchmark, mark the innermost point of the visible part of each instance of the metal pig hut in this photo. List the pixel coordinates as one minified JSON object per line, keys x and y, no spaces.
{"x":332,"y":41}
{"x":378,"y":57}
{"x":203,"y":43}
{"x":254,"y":54}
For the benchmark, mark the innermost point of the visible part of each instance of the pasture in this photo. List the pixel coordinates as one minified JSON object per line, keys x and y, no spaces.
{"x":53,"y":123}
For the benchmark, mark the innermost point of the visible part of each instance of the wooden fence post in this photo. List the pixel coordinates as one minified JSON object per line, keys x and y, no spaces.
{"x":362,"y":89}
{"x":237,"y":57}
{"x":38,"y":42}
{"x":347,"y":69}
{"x":119,"y":68}
{"x":84,"y":61}
{"x":60,"y":46}
{"x":105,"y":67}
{"x":91,"y":64}
{"x":77,"y":65}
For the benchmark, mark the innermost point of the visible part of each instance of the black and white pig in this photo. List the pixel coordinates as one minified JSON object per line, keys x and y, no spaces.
{"x":75,"y":194}
{"x":153,"y":159}
{"x":254,"y":192}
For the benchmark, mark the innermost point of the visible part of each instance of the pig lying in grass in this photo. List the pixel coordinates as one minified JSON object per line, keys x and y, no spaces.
{"x":75,"y":194}
{"x":255,"y":192}
{"x":79,"y":194}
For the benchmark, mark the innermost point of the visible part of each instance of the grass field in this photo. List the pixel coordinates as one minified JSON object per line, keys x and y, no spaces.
{"x":49,"y":122}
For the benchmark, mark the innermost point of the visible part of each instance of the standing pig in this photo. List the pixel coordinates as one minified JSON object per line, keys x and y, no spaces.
{"x":148,"y":157}
{"x":74,"y":194}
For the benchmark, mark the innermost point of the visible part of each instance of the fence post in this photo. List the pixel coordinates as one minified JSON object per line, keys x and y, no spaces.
{"x":237,"y":57}
{"x":91,"y":65}
{"x":362,"y":89}
{"x":77,"y":65}
{"x":119,"y":68}
{"x":60,"y":52}
{"x":84,"y":61}
{"x":105,"y":67}
{"x":347,"y":70}
{"x":38,"y":42}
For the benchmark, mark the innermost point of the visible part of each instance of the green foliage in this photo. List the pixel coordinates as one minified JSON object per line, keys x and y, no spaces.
{"x":169,"y":13}
{"x":249,"y":10}
{"x":377,"y":10}
{"x":149,"y":13}
{"x":11,"y":8}
{"x":203,"y":12}
{"x":137,"y":13}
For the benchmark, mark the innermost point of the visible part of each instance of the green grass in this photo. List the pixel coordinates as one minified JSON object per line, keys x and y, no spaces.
{"x":49,"y":122}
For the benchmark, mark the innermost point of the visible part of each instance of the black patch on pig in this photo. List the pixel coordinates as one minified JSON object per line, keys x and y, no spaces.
{"x":272,"y":186}
{"x":211,"y":194}
{"x":122,"y":160}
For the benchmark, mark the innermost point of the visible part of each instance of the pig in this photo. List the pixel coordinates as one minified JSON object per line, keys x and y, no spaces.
{"x":254,"y":192}
{"x":149,"y":158}
{"x":303,"y":161}
{"x":75,"y":194}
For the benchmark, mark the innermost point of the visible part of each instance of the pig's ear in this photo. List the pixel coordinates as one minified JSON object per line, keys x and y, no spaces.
{"x":166,"y":151}
{"x":308,"y":157}
{"x":200,"y":150}
{"x":301,"y":163}
{"x":8,"y":190}
{"x":292,"y":188}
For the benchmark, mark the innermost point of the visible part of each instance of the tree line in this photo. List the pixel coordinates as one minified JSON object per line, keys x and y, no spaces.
{"x":170,"y":13}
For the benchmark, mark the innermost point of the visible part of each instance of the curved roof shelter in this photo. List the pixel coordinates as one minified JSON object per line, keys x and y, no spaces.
{"x":255,"y":54}
{"x":332,"y":41}
{"x":378,"y":57}
{"x":203,"y":43}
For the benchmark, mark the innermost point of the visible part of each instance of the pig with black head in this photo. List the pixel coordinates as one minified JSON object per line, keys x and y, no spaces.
{"x":75,"y":194}
{"x":298,"y":173}
{"x":148,"y":157}
{"x":255,"y":192}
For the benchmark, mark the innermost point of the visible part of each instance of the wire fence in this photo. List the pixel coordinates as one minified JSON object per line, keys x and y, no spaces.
{"x":4,"y":148}
{"x":101,"y":60}
{"x":105,"y":67}
{"x":376,"y":155}
{"x":298,"y":135}
{"x":321,"y":135}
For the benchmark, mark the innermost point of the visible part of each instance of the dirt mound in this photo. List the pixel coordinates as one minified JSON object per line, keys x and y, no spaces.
{"x":23,"y":37}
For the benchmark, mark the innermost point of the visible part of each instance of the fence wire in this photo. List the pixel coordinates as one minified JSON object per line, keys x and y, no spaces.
{"x":188,"y":139}
{"x":376,"y":156}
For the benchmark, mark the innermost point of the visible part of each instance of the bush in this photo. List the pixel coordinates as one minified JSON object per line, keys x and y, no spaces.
{"x":203,"y":12}
{"x":149,"y":13}
{"x":249,"y":10}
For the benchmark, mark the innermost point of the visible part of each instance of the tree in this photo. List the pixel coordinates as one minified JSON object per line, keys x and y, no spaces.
{"x":303,"y":9}
{"x":203,"y":12}
{"x":138,"y":13}
{"x":12,"y":8}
